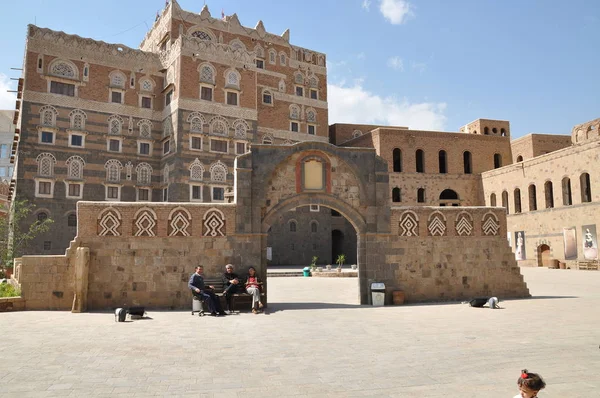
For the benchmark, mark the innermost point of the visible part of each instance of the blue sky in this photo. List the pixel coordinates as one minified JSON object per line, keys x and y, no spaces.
{"x":433,"y":64}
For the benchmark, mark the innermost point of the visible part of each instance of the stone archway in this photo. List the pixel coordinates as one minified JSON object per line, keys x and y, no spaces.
{"x":543,"y":255}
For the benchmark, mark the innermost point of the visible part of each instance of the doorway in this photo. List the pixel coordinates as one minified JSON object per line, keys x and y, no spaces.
{"x":337,"y":244}
{"x":544,"y":256}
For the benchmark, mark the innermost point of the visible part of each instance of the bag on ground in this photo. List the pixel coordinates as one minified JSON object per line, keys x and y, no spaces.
{"x":120,"y":314}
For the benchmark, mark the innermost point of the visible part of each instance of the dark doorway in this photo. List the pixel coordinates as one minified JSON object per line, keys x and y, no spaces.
{"x":337,"y":244}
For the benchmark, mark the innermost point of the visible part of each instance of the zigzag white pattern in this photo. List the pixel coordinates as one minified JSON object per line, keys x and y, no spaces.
{"x":463,"y":226}
{"x":490,"y":225}
{"x":437,"y":226}
{"x":179,"y":225}
{"x":109,"y":223}
{"x":145,"y":224}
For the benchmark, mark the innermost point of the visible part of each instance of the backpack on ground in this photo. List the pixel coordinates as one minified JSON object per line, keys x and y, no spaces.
{"x":120,"y":314}
{"x":478,"y":302}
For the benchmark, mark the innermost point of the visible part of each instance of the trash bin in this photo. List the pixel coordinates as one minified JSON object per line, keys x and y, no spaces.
{"x":378,"y":294}
{"x":306,"y":271}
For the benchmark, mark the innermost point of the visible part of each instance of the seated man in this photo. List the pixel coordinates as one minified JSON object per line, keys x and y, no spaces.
{"x":196,"y":285}
{"x":231,"y":283}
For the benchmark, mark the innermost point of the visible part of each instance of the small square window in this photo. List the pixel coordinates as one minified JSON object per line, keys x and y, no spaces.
{"x":260,"y":64}
{"x":47,"y":137}
{"x":47,"y":245}
{"x":168,"y":97}
{"x":232,"y":98}
{"x":166,"y":147}
{"x":165,"y":194}
{"x":218,"y":146}
{"x":315,"y":208}
{"x":294,"y":126}
{"x":267,"y":99}
{"x":76,"y":140}
{"x":197,"y":192}
{"x":206,"y":93}
{"x":314,"y":94}
{"x":44,"y":188}
{"x":299,"y":91}
{"x":62,"y":89}
{"x":116,"y":97}
{"x":218,"y":194}
{"x":114,"y":145}
{"x":240,"y":148}
{"x":144,"y":148}
{"x":311,"y":129}
{"x":147,"y":102}
{"x":143,"y":194}
{"x":112,"y":192}
{"x":74,"y":190}
{"x":196,"y":143}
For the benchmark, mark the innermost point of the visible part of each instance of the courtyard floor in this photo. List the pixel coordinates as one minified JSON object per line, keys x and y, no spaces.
{"x":315,"y":341}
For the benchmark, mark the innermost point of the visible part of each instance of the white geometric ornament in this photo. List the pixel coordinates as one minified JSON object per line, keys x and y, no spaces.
{"x":109,"y":223}
{"x":464,"y":226}
{"x":409,"y":224}
{"x":437,"y":224}
{"x":490,"y":226}
{"x":145,"y":223}
{"x":179,"y":224}
{"x":214,"y":223}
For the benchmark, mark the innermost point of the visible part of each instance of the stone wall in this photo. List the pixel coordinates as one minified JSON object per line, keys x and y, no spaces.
{"x":533,"y":145}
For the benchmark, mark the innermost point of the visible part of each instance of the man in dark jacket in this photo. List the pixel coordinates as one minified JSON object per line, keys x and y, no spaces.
{"x":206,"y":293}
{"x":231,"y":283}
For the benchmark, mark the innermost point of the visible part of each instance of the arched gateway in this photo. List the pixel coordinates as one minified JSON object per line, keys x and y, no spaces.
{"x":143,"y":253}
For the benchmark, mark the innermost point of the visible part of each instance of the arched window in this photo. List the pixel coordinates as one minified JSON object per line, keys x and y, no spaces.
{"x":267,"y":139}
{"x":397,"y":154}
{"x":218,"y":172}
{"x":219,"y":126}
{"x":144,"y":173}
{"x":396,"y":195}
{"x":196,"y":170}
{"x":314,"y":227}
{"x":449,"y":197}
{"x":497,"y":160}
{"x":63,"y":69}
{"x":113,"y":170}
{"x":282,"y":58}
{"x":202,"y":35}
{"x":420,"y":161}
{"x":532,"y":198}
{"x":549,"y":194}
{"x":197,"y":122}
{"x":311,"y":115}
{"x":586,"y":188}
{"x":75,"y":167}
{"x":486,"y":131}
{"x":232,"y":79}
{"x":503,"y":132}
{"x":146,"y":85}
{"x":421,"y":195}
{"x":505,"y":201}
{"x":517,"y":198}
{"x":292,"y":226}
{"x":519,"y":158}
{"x":46,"y":162}
{"x":443,"y":162}
{"x":165,"y":175}
{"x":566,"y":192}
{"x":298,"y":78}
{"x":117,"y":79}
{"x":468,"y":167}
{"x":494,"y":130}
{"x":240,"y":127}
{"x":48,"y":116}
{"x":72,"y":220}
{"x":115,"y":124}
{"x":78,"y":118}
{"x":207,"y":73}
{"x":294,"y":112}
{"x":493,"y":200}
{"x":145,"y":126}
{"x":42,"y":216}
{"x":356,"y":133}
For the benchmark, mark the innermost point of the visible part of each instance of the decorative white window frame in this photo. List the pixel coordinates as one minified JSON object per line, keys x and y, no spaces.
{"x":198,"y":28}
{"x":236,"y":92}
{"x":66,"y":78}
{"x":314,"y":113}
{"x":68,"y":163}
{"x":264,"y":92}
{"x":315,"y":208}
{"x":212,"y":193}
{"x":82,"y":134}
{"x":52,"y":130}
{"x":291,"y":114}
{"x":308,"y":126}
{"x":74,"y":113}
{"x":114,"y":74}
{"x":118,"y":165}
{"x":139,"y":147}
{"x":292,"y":122}
{"x":211,"y":87}
{"x":118,"y":186}
{"x":137,"y":194}
{"x":40,"y":63}
{"x":117,"y":138}
{"x":147,"y":123}
{"x":310,"y":90}
{"x":37,"y":187}
{"x":232,"y":85}
{"x":217,"y":139}
{"x":218,"y":119}
{"x":267,"y":139}
{"x":201,"y":186}
{"x":119,"y":90}
{"x":71,"y":182}
{"x":138,"y":171}
{"x":211,"y":83}
{"x":282,"y":61}
{"x":296,"y":87}
{"x":237,"y":44}
{"x":199,"y":136}
{"x":110,"y":121}
{"x":218,"y":165}
{"x":197,"y":164}
{"x":164,"y":144}
{"x":52,"y":164}
{"x":152,"y":85}
{"x":146,"y":95}
{"x":272,"y":57}
{"x":53,"y":116}
{"x":240,"y":142}
{"x":196,"y":115}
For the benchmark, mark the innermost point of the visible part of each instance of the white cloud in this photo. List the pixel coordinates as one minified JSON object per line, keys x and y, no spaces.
{"x":366,"y":4}
{"x":396,"y":11}
{"x":7,"y":100}
{"x":396,"y":63}
{"x":360,"y":55}
{"x":356,"y":105}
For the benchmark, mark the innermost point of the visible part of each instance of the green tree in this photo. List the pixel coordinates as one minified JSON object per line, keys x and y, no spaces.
{"x":15,"y":236}
{"x":341,"y":258}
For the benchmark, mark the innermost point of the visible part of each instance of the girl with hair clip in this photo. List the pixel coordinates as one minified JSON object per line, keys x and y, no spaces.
{"x":253,"y":285}
{"x":529,"y":384}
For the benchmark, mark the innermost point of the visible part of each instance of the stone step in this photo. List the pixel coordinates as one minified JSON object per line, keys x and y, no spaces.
{"x":284,"y":274}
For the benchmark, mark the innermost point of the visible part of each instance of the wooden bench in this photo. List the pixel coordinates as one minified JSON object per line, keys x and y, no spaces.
{"x":587,"y":265}
{"x":240,"y":295}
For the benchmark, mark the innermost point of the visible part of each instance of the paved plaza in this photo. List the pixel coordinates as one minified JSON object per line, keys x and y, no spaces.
{"x":315,"y":341}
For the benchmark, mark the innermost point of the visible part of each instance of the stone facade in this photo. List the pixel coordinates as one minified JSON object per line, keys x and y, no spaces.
{"x":7,"y":133}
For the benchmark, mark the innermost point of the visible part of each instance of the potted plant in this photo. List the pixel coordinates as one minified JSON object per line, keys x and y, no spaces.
{"x":313,"y":264}
{"x":354,"y":267}
{"x":328,"y":266}
{"x":340,"y":261}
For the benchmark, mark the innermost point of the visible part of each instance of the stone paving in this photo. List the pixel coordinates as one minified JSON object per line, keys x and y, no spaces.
{"x":315,"y":341}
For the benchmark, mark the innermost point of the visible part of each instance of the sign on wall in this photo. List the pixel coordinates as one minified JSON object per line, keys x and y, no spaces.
{"x":520,"y":246}
{"x":570,"y":240}
{"x":590,"y":242}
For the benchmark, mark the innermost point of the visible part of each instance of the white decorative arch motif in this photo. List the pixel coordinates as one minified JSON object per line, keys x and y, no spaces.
{"x":109,"y":222}
{"x":144,"y":222}
{"x":232,"y":78}
{"x":63,"y":68}
{"x":46,"y":162}
{"x":113,"y":170}
{"x":408,"y":224}
{"x":196,"y":170}
{"x":48,"y":116}
{"x":241,"y":128}
{"x":147,"y":84}
{"x":436,"y":224}
{"x":214,"y":223}
{"x":272,"y":56}
{"x":313,"y":81}
{"x":356,"y":133}
{"x":218,"y":172}
{"x":259,"y":51}
{"x":288,"y":142}
{"x":298,"y":78}
{"x":117,"y":79}
{"x":207,"y":73}
{"x":490,"y":224}
{"x":294,"y":112}
{"x":75,"y":165}
{"x":144,"y":173}
{"x":464,"y":224}
{"x":282,"y":58}
{"x":237,"y":44}
{"x":219,"y":126}
{"x":77,"y":118}
{"x":202,"y":33}
{"x":180,"y":222}
{"x":115,"y":125}
{"x":267,"y":139}
{"x":145,"y":126}
{"x":281,"y":86}
{"x":311,"y":115}
{"x":197,"y":122}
